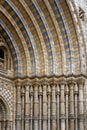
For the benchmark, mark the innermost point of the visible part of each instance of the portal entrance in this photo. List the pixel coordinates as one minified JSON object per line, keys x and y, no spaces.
{"x":4,"y":123}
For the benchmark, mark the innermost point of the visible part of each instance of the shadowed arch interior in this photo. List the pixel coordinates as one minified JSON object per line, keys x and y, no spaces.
{"x":1,"y":54}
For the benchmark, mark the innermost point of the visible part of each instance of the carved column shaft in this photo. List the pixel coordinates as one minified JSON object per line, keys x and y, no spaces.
{"x":40,"y":107}
{"x":81,"y":123}
{"x":31,"y":108}
{"x":27,"y":107}
{"x":22,"y":106}
{"x":36,"y":107}
{"x":67,"y":109}
{"x":53,"y":107}
{"x":76,"y":106}
{"x":62,"y":107}
{"x":57,"y":107}
{"x":44,"y":107}
{"x":49,"y":118}
{"x":71,"y":106}
{"x":0,"y":124}
{"x":18,"y":101}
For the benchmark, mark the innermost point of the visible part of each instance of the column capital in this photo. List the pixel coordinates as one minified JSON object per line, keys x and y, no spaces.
{"x":31,"y":91}
{"x":71,"y":82}
{"x":27,"y":84}
{"x":62,"y":82}
{"x":44,"y":82}
{"x":80,"y":81}
{"x":18,"y":83}
{"x":57,"y":90}
{"x":53,"y":83}
{"x":66,"y":90}
{"x":35,"y":84}
{"x":76,"y":89}
{"x":22,"y":91}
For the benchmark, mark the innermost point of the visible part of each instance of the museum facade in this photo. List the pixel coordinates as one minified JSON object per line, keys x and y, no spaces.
{"x":43,"y":65}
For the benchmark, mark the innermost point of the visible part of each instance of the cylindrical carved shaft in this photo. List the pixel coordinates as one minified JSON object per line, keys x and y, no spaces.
{"x":3,"y":125}
{"x":22,"y":106}
{"x":62,"y":107}
{"x":49,"y":94}
{"x":53,"y":107}
{"x":0,"y":124}
{"x":44,"y":107}
{"x":81,"y":123}
{"x":71,"y":106}
{"x":18,"y":101}
{"x":31,"y":108}
{"x":8,"y":127}
{"x":27,"y":107}
{"x":40,"y":107}
{"x":36,"y":107}
{"x":76,"y":106}
{"x":67,"y":101}
{"x":57,"y":107}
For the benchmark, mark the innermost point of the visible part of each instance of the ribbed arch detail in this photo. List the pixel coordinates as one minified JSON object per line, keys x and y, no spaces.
{"x":47,"y":35}
{"x":58,"y":45}
{"x":13,"y":47}
{"x":27,"y":35}
{"x":42,"y":51}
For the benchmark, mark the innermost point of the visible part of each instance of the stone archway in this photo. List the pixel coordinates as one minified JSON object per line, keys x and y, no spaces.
{"x":4,"y":116}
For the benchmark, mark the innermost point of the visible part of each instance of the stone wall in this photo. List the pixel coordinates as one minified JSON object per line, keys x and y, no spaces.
{"x":50,"y":104}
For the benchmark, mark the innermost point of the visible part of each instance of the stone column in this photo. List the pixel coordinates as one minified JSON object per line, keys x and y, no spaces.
{"x":85,"y":105}
{"x":71,"y":85}
{"x":81,"y":111}
{"x":18,"y":104}
{"x":76,"y":106}
{"x":27,"y":107}
{"x":53,"y":87}
{"x":67,"y":109}
{"x":57,"y":106}
{"x":44,"y":106}
{"x":3,"y":125}
{"x":36,"y":112}
{"x":0,"y":124}
{"x":48,"y":106}
{"x":62,"y":103}
{"x":31,"y":108}
{"x":8,"y":123}
{"x":40,"y":107}
{"x":22,"y":106}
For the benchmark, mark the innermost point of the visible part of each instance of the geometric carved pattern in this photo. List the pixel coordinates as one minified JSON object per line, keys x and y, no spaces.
{"x":7,"y":94}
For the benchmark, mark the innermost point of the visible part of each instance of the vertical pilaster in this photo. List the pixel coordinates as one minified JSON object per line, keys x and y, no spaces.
{"x":40,"y":107}
{"x":22,"y":105}
{"x":76,"y":106}
{"x":3,"y":125}
{"x":71,"y":85}
{"x":27,"y":107}
{"x":53,"y":87}
{"x":81,"y":110}
{"x":48,"y":106}
{"x":44,"y":106}
{"x":0,"y":124}
{"x":36,"y":112}
{"x":8,"y":125}
{"x":62,"y":103}
{"x":31,"y":108}
{"x":18,"y":104}
{"x":85,"y":105}
{"x":67,"y":109}
{"x":57,"y":106}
